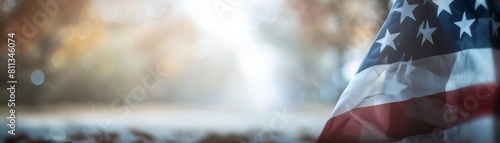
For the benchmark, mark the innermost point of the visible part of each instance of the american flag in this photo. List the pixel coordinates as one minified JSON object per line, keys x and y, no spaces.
{"x":431,"y":75}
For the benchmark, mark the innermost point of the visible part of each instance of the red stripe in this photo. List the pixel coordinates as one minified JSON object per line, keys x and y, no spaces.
{"x":398,"y":120}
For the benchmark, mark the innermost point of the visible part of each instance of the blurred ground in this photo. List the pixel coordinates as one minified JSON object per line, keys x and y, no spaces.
{"x":173,"y":123}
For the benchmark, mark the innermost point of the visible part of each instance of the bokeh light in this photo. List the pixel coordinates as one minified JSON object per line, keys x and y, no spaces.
{"x":37,"y":77}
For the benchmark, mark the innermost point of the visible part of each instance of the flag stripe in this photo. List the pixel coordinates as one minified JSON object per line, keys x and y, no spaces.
{"x":480,"y":128}
{"x":412,"y":117}
{"x":391,"y":83}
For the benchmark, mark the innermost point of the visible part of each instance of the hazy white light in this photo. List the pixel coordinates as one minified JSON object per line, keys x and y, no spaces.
{"x":235,"y":32}
{"x":154,"y":9}
{"x":202,"y":49}
{"x":256,"y":64}
{"x":351,"y":66}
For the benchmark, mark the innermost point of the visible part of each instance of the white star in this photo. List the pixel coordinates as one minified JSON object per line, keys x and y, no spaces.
{"x":464,"y":25}
{"x":387,"y":40}
{"x":406,"y":11}
{"x":480,"y":2}
{"x":494,"y":25}
{"x":426,"y":31}
{"x":443,"y":5}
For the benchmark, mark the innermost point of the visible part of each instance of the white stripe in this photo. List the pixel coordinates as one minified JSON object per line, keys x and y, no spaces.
{"x":389,"y":83}
{"x":480,"y":130}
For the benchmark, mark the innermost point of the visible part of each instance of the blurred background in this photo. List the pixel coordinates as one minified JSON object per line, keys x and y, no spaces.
{"x":182,"y":70}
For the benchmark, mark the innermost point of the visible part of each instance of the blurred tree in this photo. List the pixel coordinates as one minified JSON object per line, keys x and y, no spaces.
{"x":322,"y":34}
